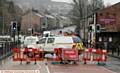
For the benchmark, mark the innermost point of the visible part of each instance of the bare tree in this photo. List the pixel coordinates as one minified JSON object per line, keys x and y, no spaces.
{"x":82,"y":10}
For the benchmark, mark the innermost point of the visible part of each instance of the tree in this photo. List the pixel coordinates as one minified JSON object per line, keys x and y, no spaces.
{"x":78,"y":13}
{"x":82,"y":10}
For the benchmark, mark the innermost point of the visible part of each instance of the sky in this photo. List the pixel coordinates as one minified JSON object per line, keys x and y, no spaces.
{"x":105,"y":1}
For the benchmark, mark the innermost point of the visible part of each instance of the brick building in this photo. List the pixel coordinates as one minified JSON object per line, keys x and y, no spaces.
{"x":109,"y":18}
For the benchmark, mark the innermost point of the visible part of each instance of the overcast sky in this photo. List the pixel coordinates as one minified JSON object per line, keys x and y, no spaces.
{"x":105,"y":1}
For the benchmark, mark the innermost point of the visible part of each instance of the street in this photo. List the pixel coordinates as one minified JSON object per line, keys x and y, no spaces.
{"x":111,"y":67}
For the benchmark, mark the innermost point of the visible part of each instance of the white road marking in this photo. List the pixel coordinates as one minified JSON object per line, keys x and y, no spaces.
{"x":39,"y":67}
{"x":19,"y":71}
{"x":37,"y":71}
{"x":47,"y":69}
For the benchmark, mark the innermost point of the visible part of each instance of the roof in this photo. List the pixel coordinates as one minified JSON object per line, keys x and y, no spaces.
{"x":63,"y":17}
{"x":110,"y":7}
{"x":50,"y":16}
{"x":38,"y":15}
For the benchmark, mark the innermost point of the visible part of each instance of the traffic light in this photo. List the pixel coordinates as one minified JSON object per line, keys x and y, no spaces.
{"x":98,"y":28}
{"x":14,"y":25}
{"x":90,"y":28}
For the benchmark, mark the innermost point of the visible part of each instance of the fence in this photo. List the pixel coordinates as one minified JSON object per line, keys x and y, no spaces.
{"x":5,"y":49}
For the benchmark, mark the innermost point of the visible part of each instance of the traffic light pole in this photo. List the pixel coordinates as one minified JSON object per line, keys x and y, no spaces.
{"x":95,"y":29}
{"x":90,"y":37}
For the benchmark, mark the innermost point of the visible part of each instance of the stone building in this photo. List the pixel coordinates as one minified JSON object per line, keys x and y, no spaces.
{"x":31,"y":20}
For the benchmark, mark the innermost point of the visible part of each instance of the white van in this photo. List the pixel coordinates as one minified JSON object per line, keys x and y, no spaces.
{"x":49,"y":43}
{"x":31,"y":41}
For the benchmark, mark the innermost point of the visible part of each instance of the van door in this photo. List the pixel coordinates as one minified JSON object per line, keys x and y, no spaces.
{"x":49,"y":46}
{"x":42,"y":43}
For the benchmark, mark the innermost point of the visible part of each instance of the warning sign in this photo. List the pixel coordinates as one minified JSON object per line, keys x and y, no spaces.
{"x":70,"y":54}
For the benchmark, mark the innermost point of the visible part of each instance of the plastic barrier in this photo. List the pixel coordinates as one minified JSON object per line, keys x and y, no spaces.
{"x":94,"y":55}
{"x":57,"y":54}
{"x":65,"y":56}
{"x":25,"y":53}
{"x":70,"y":54}
{"x":16,"y":54}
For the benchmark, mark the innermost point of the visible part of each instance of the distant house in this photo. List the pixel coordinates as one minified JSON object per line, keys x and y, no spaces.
{"x":31,"y":20}
{"x":50,"y":21}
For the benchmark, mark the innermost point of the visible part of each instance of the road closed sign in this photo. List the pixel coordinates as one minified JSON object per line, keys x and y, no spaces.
{"x":70,"y":54}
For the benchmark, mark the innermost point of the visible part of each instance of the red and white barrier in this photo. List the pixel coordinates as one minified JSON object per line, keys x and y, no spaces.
{"x":22,"y":54}
{"x":94,"y":55}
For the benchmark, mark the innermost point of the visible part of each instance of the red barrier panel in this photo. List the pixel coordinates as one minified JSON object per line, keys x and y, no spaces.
{"x":69,"y":54}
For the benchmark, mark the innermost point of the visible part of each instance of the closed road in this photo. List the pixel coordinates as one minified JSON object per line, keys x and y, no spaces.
{"x":79,"y":68}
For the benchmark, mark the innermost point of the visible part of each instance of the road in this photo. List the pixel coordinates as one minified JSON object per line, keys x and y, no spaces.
{"x":79,"y":68}
{"x":40,"y":67}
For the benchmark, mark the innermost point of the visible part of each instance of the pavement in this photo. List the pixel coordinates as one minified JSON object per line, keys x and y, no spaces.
{"x":113,"y":64}
{"x":15,"y":67}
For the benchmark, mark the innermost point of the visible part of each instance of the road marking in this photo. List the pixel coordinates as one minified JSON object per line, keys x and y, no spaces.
{"x":39,"y":66}
{"x":47,"y":69}
{"x":37,"y":71}
{"x":19,"y":71}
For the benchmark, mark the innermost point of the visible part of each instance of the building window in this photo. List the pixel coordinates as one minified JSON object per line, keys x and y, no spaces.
{"x":107,"y":13}
{"x":114,"y":14}
{"x":101,"y":14}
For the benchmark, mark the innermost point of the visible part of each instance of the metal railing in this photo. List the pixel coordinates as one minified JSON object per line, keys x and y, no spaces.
{"x":5,"y":49}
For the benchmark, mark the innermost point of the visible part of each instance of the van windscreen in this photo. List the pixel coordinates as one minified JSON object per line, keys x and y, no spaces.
{"x":76,"y":40}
